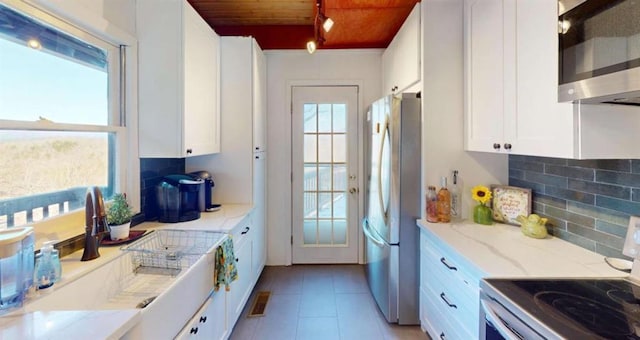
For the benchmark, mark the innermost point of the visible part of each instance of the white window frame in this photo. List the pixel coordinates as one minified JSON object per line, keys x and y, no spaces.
{"x":72,"y":18}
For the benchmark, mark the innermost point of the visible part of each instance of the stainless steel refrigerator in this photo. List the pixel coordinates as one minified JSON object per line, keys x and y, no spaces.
{"x":393,"y":205}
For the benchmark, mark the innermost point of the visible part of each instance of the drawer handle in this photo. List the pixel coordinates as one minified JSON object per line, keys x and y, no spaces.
{"x":442,"y":336}
{"x":203,"y":319}
{"x":444,"y":298}
{"x":194,"y":330}
{"x":246,"y":230}
{"x":444,"y":261}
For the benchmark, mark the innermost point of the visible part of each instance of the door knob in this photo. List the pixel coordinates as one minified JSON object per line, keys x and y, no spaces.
{"x":353,"y":190}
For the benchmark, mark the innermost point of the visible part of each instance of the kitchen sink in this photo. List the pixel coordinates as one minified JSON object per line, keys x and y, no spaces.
{"x":167,"y":271}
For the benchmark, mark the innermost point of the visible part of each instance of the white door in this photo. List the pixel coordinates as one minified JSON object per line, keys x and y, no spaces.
{"x":325,"y":174}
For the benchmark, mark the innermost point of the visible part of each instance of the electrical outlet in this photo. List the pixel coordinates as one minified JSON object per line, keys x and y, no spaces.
{"x":632,"y":241}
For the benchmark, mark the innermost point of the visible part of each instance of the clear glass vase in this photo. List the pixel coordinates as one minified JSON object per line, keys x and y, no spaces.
{"x":482,"y":215}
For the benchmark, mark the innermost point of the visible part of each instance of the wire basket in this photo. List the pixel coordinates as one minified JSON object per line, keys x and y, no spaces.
{"x":167,"y":251}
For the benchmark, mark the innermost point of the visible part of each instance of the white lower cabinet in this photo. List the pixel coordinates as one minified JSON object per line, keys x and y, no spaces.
{"x":241,"y":288}
{"x":210,"y":320}
{"x":449,"y":292}
{"x":218,"y":315}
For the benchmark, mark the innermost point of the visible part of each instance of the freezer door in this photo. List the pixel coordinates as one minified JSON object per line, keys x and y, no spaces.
{"x":380,"y":171}
{"x":381,"y":273}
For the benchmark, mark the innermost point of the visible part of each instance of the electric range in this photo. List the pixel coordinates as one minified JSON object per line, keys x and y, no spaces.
{"x":560,"y":309}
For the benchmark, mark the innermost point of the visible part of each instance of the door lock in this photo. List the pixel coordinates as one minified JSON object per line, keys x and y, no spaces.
{"x":353,"y":190}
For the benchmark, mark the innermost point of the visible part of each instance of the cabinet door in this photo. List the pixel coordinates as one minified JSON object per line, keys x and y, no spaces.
{"x":259,"y":250}
{"x":241,"y":288}
{"x":541,"y":126}
{"x":401,"y":60}
{"x":214,"y":320}
{"x":259,"y":99}
{"x":485,"y":62}
{"x":201,"y":50}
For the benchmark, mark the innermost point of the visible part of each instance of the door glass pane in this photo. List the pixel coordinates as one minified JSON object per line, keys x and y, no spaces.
{"x":324,"y":177}
{"x":309,"y":231}
{"x":324,"y":148}
{"x":340,"y":205}
{"x":340,"y":232}
{"x":310,"y":118}
{"x":324,"y":205}
{"x":339,"y":118}
{"x":339,"y":148}
{"x":310,"y":177}
{"x":340,"y":177}
{"x":310,"y":204}
{"x":325,"y":232}
{"x":310,"y":149}
{"x":324,"y":118}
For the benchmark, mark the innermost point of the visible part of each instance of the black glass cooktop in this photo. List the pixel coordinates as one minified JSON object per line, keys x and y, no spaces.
{"x":578,"y":308}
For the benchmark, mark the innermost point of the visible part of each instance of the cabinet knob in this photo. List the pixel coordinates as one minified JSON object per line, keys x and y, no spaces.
{"x":444,"y":298}
{"x":194,"y":330}
{"x":237,"y":259}
{"x":507,"y":146}
{"x":257,"y":148}
{"x":496,"y":146}
{"x":203,"y":319}
{"x":394,"y":89}
{"x":189,"y":151}
{"x":442,"y":336}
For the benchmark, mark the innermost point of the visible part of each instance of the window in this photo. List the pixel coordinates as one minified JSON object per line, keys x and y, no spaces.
{"x":61,"y":121}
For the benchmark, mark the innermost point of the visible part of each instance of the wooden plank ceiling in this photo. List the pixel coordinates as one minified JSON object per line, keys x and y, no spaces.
{"x":289,"y":24}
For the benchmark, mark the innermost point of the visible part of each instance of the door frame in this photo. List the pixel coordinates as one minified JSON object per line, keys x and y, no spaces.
{"x":362,"y":111}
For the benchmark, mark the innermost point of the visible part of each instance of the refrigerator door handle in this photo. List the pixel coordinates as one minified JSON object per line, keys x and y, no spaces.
{"x":385,"y":130}
{"x":369,"y":235}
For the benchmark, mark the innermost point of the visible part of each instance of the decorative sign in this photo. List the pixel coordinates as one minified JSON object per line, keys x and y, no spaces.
{"x":509,"y":203}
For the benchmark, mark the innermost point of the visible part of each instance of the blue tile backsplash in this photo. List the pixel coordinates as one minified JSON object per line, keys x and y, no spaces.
{"x":151,"y":172}
{"x":588,"y":202}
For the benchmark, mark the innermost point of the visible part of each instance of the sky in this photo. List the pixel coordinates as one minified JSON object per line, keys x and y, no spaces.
{"x":35,"y":84}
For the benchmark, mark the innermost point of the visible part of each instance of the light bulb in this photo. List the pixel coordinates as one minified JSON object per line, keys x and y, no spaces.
{"x":311,"y":47}
{"x":34,"y":43}
{"x":327,"y":24}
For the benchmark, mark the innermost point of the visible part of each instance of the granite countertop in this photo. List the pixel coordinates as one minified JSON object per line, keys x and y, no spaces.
{"x":502,"y":250}
{"x":113,"y":323}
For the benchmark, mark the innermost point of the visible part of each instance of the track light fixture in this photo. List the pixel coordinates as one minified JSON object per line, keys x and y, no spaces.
{"x":321,"y":20}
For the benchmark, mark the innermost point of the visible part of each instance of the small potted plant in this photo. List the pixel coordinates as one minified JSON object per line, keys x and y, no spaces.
{"x":119,"y":217}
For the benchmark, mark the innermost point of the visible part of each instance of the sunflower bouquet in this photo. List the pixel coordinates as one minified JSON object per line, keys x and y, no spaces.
{"x":481,"y":212}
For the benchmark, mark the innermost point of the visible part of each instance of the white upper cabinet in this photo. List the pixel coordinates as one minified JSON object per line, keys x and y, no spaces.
{"x":511,"y":85}
{"x":401,"y":59}
{"x":178,"y":63}
{"x":259,"y":75}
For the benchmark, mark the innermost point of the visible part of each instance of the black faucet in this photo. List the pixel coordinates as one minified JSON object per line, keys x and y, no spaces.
{"x":96,"y":223}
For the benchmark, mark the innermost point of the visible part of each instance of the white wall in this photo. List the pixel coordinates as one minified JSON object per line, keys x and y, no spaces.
{"x":285,"y":68}
{"x":442,"y":106}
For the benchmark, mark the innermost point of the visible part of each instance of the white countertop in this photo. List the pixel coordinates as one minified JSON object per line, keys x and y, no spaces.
{"x":112,"y":324}
{"x":502,"y":250}
{"x":64,"y":325}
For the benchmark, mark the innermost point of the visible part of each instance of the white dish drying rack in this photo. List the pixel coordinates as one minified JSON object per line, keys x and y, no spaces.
{"x":168,"y":251}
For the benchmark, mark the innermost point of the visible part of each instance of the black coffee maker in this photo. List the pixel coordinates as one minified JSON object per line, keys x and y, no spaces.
{"x":178,"y":198}
{"x":206,"y":204}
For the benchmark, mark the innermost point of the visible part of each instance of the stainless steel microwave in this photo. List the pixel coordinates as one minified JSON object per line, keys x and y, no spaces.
{"x":599,"y":51}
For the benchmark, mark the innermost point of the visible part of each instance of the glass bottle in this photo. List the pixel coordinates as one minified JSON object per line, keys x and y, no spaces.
{"x":443,"y":205}
{"x":455,"y":197}
{"x":432,"y":215}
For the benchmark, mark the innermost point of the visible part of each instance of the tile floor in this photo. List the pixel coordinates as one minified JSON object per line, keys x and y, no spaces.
{"x":319,"y":302}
